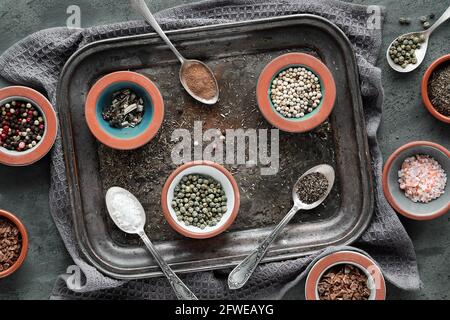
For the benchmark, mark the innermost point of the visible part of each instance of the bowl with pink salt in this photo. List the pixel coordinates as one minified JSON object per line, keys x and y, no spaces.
{"x":415,"y":180}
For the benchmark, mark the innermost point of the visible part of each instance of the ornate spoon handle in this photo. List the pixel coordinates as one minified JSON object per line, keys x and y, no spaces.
{"x":181,"y":290}
{"x":240,"y":275}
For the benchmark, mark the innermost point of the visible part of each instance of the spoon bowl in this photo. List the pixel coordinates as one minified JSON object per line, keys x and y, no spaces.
{"x":329,"y":174}
{"x":420,"y":53}
{"x":189,"y":62}
{"x":128,"y":214}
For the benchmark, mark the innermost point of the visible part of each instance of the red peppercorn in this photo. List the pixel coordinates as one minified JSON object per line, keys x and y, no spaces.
{"x":6,"y":128}
{"x":28,"y":119}
{"x":8,"y":114}
{"x":30,"y":113}
{"x":41,"y":126}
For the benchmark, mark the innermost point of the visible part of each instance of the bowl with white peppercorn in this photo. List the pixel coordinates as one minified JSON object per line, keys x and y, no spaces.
{"x":296,"y":92}
{"x":200,"y":199}
{"x":28,"y":126}
{"x":124,"y":110}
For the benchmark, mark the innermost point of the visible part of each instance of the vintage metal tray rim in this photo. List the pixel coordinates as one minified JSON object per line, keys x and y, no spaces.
{"x":75,"y":194}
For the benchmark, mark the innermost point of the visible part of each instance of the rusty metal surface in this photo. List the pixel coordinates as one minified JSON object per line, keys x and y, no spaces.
{"x":237,"y":53}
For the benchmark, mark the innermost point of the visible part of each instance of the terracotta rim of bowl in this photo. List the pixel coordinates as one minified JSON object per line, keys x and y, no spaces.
{"x":51,"y":126}
{"x":91,"y":106}
{"x":388,"y":194}
{"x":424,"y":89}
{"x":175,"y":225}
{"x":275,"y":67}
{"x":344,"y":257}
{"x":23,"y":253}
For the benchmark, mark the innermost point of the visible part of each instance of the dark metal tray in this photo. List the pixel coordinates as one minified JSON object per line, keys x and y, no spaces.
{"x":237,"y":53}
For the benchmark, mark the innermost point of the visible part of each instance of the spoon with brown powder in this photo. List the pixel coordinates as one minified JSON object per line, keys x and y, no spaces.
{"x":195,"y":76}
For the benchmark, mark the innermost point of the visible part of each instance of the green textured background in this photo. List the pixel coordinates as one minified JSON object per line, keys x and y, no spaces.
{"x":24,"y":191}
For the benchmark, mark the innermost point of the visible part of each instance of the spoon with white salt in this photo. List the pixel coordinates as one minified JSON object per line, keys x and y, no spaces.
{"x":128,"y":214}
{"x":243,"y":271}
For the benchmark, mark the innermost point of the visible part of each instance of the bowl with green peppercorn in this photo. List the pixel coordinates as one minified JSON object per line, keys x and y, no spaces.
{"x":200,"y":199}
{"x":28,"y":126}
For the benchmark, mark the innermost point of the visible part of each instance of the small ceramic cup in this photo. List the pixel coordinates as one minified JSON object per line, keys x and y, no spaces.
{"x":375,"y":279}
{"x":100,"y":96}
{"x":215,"y":171}
{"x":311,"y":120}
{"x":23,"y":233}
{"x":396,"y":196}
{"x":24,"y":158}
{"x":424,"y":89}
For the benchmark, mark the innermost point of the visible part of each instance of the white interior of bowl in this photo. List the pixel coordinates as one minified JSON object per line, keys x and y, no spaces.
{"x":371,"y":284}
{"x":20,"y":153}
{"x":217,"y":175}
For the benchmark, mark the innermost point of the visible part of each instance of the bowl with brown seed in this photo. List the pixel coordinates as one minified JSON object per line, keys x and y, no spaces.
{"x":13,"y":243}
{"x":345,"y":275}
{"x":28,"y":126}
{"x":296,"y":92}
{"x":200,"y":199}
{"x":124,"y":110}
{"x":436,"y":89}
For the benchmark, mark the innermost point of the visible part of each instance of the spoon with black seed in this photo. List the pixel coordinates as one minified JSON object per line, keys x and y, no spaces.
{"x":310,"y":190}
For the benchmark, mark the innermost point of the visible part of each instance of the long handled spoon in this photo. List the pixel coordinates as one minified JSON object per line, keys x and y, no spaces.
{"x":420,"y":53}
{"x":240,"y":275}
{"x":142,"y":8}
{"x":128,"y":214}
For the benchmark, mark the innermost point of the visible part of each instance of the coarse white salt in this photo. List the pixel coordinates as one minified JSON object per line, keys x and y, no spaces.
{"x":422,"y":178}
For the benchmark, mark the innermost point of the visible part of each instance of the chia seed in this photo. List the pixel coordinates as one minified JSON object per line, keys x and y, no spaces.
{"x":312,"y":187}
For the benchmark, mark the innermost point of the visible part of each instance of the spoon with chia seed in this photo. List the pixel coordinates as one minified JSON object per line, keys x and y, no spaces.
{"x":396,"y":54}
{"x":310,"y":190}
{"x":128,"y":214}
{"x":141,"y":7}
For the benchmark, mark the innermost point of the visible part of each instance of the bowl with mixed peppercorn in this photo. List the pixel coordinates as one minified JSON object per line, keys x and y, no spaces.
{"x":13,"y":243}
{"x":28,"y":126}
{"x":200,"y":199}
{"x":296,"y":92}
{"x":124,"y":110}
{"x":345,"y":275}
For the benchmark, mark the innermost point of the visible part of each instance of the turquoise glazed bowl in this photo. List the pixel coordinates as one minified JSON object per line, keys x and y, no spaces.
{"x":101,"y":95}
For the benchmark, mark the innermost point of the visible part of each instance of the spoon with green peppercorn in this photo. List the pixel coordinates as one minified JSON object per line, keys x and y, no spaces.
{"x":310,"y":190}
{"x":128,"y":214}
{"x":407,"y":51}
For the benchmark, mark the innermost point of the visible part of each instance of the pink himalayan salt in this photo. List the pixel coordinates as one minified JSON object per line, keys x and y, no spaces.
{"x":422,"y":178}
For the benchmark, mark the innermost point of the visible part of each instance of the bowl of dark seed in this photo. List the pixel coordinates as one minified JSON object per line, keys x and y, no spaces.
{"x":296,"y":92}
{"x":436,"y":89}
{"x":28,"y":126}
{"x":200,"y":199}
{"x":13,"y":243}
{"x":345,"y":275}
{"x":124,"y":110}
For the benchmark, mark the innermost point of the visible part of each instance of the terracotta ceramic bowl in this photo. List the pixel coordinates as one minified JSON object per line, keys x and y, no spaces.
{"x":217,"y":172}
{"x":397,"y":198}
{"x":311,"y":120}
{"x":425,"y":80}
{"x":23,"y":232}
{"x":374,"y":275}
{"x":100,"y":96}
{"x":24,"y":158}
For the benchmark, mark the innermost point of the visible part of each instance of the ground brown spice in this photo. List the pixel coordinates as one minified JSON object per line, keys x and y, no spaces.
{"x":439,"y":89}
{"x":10,"y":244}
{"x":200,"y":81}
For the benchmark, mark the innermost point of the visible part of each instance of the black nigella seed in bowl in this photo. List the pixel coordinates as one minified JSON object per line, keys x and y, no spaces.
{"x":199,"y":201}
{"x":22,"y":125}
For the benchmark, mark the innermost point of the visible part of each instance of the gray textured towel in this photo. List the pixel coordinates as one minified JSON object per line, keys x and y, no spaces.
{"x":38,"y":60}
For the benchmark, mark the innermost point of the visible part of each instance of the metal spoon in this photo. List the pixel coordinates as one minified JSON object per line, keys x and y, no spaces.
{"x":128,"y":214}
{"x":142,"y":8}
{"x":240,"y":275}
{"x":420,"y":53}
